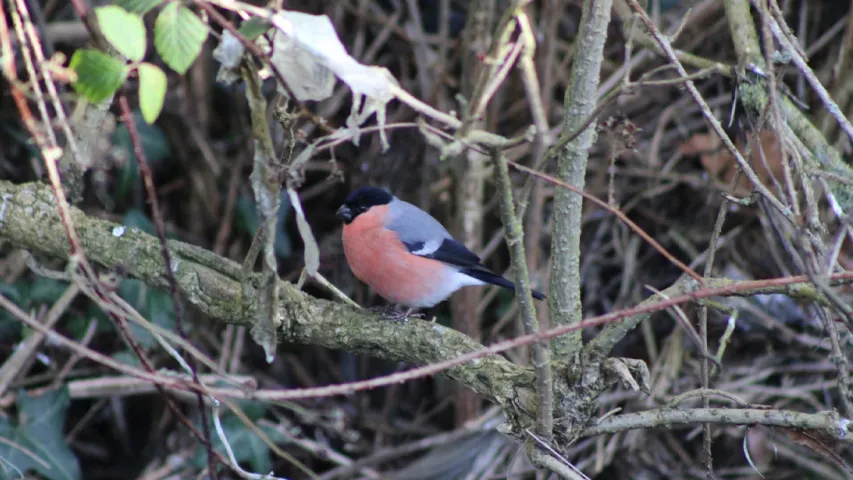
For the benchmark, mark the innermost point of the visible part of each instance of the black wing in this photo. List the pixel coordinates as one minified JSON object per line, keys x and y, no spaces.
{"x":454,"y":253}
{"x":449,"y":251}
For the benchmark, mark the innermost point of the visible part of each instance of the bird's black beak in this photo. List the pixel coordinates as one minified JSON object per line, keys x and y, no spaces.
{"x":344,"y":213}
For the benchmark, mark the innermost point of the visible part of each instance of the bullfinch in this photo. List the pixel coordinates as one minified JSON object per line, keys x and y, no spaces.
{"x":404,"y":254}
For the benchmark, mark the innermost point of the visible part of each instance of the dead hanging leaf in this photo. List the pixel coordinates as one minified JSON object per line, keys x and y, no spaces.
{"x":312,"y":252}
{"x":722,"y":164}
{"x":307,"y":52}
{"x":819,"y":444}
{"x":629,"y":371}
{"x":619,"y":134}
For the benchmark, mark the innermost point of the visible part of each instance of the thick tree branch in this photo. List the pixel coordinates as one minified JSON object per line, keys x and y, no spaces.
{"x":29,"y":219}
{"x":580,"y":100}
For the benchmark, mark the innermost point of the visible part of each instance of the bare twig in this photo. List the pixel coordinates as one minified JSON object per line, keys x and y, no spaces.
{"x":733,"y":416}
{"x":18,"y":362}
{"x":515,"y":240}
{"x":709,"y":116}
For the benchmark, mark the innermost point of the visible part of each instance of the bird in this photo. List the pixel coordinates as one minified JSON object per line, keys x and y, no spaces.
{"x":405,"y":255}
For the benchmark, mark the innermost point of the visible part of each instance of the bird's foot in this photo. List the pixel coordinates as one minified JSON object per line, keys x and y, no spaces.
{"x":393,"y":312}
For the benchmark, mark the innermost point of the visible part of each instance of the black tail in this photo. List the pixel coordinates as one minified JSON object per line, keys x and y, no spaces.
{"x":495,"y":279}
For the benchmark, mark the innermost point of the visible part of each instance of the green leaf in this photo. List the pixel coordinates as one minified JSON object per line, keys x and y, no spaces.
{"x":12,"y":292}
{"x":153,"y":304}
{"x":154,"y":144}
{"x":249,"y":222}
{"x":76,"y":325}
{"x":152,"y":91}
{"x":247,"y":447}
{"x":39,"y":434}
{"x":125,"y":31}
{"x":136,"y":218}
{"x":127,"y":357}
{"x":254,"y":28}
{"x":178,"y":36}
{"x":46,"y":290}
{"x":98,"y":74}
{"x":138,"y":6}
{"x":10,"y":327}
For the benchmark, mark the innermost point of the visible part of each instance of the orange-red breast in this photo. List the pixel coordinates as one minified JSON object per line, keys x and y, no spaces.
{"x":404,"y":254}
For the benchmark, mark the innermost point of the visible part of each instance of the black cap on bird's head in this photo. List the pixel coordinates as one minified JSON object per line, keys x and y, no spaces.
{"x":360,"y":201}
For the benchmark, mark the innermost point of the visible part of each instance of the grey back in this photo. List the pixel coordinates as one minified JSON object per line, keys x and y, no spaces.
{"x":414,"y":225}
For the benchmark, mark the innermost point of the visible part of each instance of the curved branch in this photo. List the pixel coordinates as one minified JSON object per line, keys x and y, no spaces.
{"x":29,"y":219}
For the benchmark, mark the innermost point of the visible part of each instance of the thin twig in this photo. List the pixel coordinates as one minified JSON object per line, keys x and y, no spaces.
{"x":515,"y":241}
{"x":615,"y":211}
{"x":19,"y":362}
{"x":802,"y":65}
{"x":709,"y":116}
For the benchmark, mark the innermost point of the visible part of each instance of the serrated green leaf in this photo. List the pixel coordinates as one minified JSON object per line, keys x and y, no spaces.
{"x":178,"y":36}
{"x":254,"y":28}
{"x":98,"y":74}
{"x":152,"y":91}
{"x":39,"y":433}
{"x":138,"y":6}
{"x":124,"y":30}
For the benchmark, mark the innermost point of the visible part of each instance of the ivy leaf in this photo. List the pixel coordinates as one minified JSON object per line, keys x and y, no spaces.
{"x":125,"y":31}
{"x":46,"y":290}
{"x":246,"y":445}
{"x":178,"y":36}
{"x":153,"y":304}
{"x":36,"y":441}
{"x":154,"y":144}
{"x":98,"y":74}
{"x":152,"y":91}
{"x":138,"y":6}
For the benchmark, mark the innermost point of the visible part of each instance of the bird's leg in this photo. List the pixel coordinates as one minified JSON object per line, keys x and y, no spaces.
{"x":383,"y":310}
{"x":411,"y":313}
{"x":394,"y":312}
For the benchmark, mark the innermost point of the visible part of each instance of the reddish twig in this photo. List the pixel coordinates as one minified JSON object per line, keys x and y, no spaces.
{"x":51,"y":153}
{"x":148,"y":180}
{"x":615,"y":211}
{"x":735,"y":289}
